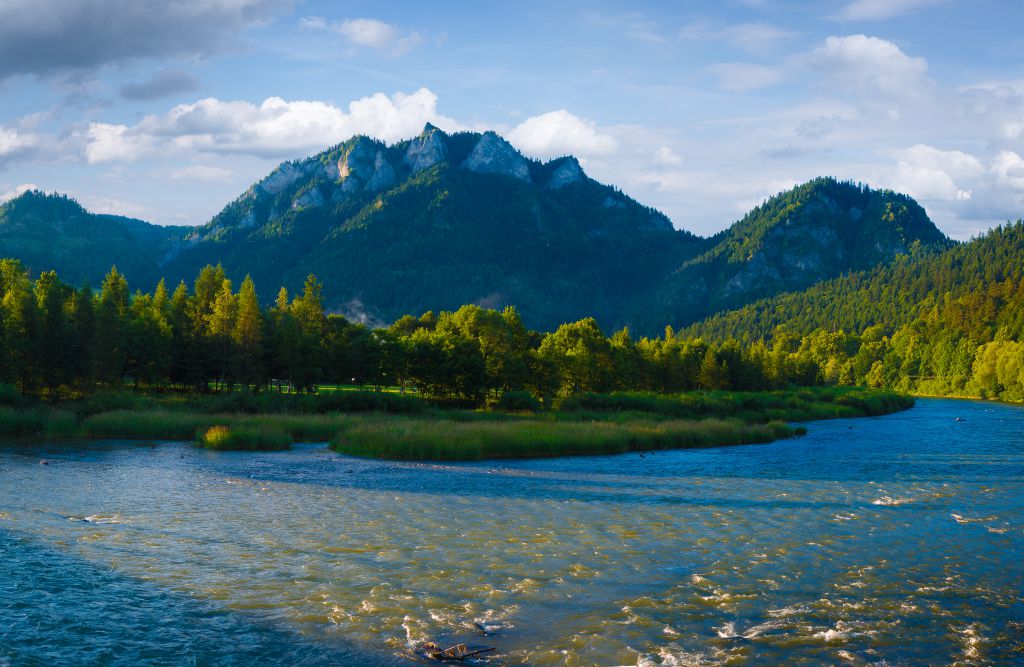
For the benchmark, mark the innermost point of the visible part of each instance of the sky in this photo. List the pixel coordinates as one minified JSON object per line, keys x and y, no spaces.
{"x":167,"y":110}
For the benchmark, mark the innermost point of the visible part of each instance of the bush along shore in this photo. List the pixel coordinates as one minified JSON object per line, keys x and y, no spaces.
{"x":379,"y":425}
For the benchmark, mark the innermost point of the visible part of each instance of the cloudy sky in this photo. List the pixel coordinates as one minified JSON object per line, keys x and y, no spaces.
{"x":168,"y":109}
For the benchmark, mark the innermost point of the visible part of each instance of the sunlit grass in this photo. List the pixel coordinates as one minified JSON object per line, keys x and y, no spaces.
{"x":225,"y":438}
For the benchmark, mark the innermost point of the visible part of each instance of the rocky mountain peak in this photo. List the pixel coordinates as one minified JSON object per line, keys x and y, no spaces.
{"x":426,"y":150}
{"x":494,"y":155}
{"x":364,"y":167}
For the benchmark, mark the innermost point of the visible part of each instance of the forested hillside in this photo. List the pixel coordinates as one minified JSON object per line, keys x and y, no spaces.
{"x":54,"y":231}
{"x":947,"y":323}
{"x":818,"y":230}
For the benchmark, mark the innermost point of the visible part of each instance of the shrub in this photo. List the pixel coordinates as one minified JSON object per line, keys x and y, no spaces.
{"x":518,"y":401}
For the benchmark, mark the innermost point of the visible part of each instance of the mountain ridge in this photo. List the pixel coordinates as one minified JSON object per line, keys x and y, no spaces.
{"x":438,"y":220}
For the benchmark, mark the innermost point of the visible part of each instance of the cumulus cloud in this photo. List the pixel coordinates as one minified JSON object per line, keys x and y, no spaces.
{"x":105,"y":142}
{"x":875,"y":10}
{"x":744,"y":77}
{"x":45,"y":37}
{"x":560,"y":133}
{"x":927,"y":172}
{"x":163,"y":83}
{"x":870,"y":64}
{"x":374,"y":34}
{"x":275,"y":128}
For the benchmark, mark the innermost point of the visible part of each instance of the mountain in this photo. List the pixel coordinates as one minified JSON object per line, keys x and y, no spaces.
{"x":939,"y":323}
{"x":55,"y":232}
{"x":439,"y":220}
{"x":975,"y":281}
{"x":816,"y":231}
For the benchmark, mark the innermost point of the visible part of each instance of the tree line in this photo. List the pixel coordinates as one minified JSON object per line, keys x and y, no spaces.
{"x":58,"y":340}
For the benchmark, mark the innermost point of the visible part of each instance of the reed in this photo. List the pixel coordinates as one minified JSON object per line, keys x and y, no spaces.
{"x":225,"y":438}
{"x":446,"y":439}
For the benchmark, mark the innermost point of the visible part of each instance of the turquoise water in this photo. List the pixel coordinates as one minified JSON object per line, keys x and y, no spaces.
{"x":893,"y":540}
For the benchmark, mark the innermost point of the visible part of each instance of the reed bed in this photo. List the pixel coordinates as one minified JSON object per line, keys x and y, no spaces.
{"x":446,"y":439}
{"x":173,"y":425}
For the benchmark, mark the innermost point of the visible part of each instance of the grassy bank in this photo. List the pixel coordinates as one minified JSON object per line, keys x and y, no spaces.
{"x":405,"y":429}
{"x":756,"y":407}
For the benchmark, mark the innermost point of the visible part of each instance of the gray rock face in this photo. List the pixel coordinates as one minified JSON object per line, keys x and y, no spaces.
{"x":426,"y":150}
{"x":282,"y":177}
{"x":365,"y":168}
{"x":309,"y":199}
{"x":565,"y":174}
{"x":494,"y":155}
{"x":383,"y":174}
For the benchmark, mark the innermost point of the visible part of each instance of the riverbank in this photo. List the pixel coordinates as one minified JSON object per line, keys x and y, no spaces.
{"x":403,"y":427}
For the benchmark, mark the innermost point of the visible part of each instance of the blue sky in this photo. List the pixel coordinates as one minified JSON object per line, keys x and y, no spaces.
{"x":169,"y":110}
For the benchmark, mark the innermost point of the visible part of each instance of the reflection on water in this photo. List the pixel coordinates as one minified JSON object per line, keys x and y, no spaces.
{"x":895,"y":539}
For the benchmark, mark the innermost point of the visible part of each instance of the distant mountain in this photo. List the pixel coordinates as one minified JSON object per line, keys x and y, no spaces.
{"x":438,"y":221}
{"x":814,"y":232}
{"x":55,"y":232}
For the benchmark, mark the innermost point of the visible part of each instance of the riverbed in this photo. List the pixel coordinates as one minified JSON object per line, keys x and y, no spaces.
{"x":895,"y":539}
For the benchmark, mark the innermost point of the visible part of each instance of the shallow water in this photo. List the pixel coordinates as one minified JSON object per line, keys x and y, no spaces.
{"x":892,"y":540}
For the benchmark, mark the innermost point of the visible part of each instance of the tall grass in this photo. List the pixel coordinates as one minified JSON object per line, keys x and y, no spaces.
{"x":173,"y":425}
{"x":446,"y":439}
{"x":224,"y":438}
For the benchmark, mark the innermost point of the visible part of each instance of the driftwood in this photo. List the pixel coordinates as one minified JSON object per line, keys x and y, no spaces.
{"x":456,"y":653}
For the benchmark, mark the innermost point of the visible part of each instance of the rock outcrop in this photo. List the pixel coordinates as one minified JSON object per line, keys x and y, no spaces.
{"x":566,"y":173}
{"x":494,"y":155}
{"x":426,"y":150}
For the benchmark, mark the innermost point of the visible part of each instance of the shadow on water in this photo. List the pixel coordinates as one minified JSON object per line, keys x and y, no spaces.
{"x":59,"y":609}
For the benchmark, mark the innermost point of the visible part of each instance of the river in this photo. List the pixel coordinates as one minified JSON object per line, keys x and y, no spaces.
{"x":891,"y":540}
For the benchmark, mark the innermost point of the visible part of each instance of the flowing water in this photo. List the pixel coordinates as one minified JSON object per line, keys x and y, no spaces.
{"x":893,"y":540}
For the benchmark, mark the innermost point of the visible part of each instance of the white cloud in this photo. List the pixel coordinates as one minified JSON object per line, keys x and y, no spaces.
{"x":105,"y":142}
{"x":373,"y":34}
{"x":560,"y":133}
{"x":930,"y":173}
{"x":14,"y":141}
{"x":17,"y":190}
{"x":870,"y":64}
{"x":274,"y":128}
{"x":874,"y":10}
{"x":199,"y":173}
{"x":744,"y":77}
{"x":1008,"y":169}
{"x":666,"y":156}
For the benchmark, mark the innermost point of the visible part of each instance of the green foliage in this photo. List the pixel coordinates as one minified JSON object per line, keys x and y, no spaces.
{"x":518,"y":401}
{"x":224,"y":438}
{"x":948,"y":323}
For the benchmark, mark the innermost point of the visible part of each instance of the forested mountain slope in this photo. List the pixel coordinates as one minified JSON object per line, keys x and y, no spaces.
{"x":945,"y":323}
{"x":438,"y":221}
{"x":52,"y":231}
{"x":816,"y":231}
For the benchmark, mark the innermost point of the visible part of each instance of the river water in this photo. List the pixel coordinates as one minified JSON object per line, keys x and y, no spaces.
{"x":892,"y":540}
